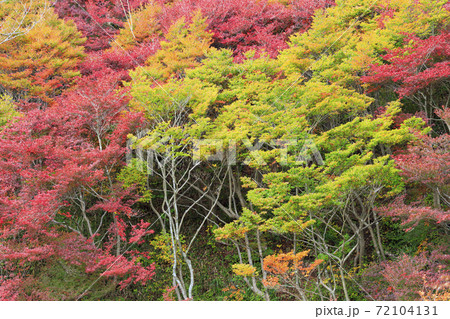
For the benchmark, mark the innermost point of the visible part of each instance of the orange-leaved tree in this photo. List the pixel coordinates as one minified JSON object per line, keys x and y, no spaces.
{"x":38,"y":64}
{"x":288,"y":273}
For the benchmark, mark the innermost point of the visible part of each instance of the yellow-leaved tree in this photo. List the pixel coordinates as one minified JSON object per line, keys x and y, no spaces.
{"x":39,"y":63}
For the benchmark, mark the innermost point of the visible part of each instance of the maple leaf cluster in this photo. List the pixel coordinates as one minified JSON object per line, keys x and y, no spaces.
{"x":58,"y":163}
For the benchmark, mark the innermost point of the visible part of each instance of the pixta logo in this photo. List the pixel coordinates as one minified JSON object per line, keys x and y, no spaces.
{"x":229,"y":152}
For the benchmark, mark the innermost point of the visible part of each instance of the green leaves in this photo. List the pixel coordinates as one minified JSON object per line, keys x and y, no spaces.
{"x":312,"y":157}
{"x":7,"y":110}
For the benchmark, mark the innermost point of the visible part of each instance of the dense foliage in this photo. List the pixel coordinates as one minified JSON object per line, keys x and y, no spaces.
{"x":224,"y":150}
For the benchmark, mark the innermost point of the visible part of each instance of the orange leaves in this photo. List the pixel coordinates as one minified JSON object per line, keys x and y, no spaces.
{"x":44,"y":60}
{"x":236,"y":294}
{"x":439,"y":292}
{"x":283,"y":267}
{"x":141,"y":27}
{"x":271,"y":282}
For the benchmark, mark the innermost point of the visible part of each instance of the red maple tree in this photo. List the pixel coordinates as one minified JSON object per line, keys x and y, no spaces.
{"x":59,"y":195}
